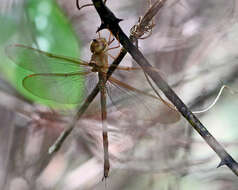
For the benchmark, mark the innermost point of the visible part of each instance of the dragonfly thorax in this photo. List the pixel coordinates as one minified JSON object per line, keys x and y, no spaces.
{"x":99,"y":58}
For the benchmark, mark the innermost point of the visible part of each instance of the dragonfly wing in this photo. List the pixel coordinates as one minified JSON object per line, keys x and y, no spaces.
{"x":145,"y":105}
{"x":91,"y":82}
{"x":39,"y":61}
{"x":58,"y":87}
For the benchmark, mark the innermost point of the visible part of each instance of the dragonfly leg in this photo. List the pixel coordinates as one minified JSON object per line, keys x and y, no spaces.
{"x":99,"y":34}
{"x":113,"y":57}
{"x":109,"y":42}
{"x":113,"y":47}
{"x":109,"y":39}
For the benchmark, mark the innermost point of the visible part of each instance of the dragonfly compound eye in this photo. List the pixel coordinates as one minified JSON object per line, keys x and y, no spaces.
{"x":98,"y":45}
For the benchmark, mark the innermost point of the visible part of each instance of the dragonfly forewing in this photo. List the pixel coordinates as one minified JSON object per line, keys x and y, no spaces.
{"x":38,"y":61}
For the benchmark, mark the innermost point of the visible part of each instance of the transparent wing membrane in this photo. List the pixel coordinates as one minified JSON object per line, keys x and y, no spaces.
{"x":145,"y":105}
{"x":62,"y":88}
{"x":39,"y":61}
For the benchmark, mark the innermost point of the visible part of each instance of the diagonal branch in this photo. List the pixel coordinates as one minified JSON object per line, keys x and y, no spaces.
{"x":109,"y":21}
{"x":141,"y":27}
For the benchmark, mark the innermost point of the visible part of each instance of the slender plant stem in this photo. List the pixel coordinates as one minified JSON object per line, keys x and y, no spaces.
{"x":109,"y":21}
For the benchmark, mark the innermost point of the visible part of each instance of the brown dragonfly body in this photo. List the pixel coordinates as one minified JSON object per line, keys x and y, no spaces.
{"x":98,"y":63}
{"x":53,"y":83}
{"x":99,"y":60}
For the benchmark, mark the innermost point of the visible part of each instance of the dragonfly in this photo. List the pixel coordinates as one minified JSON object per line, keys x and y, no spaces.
{"x":50,"y":83}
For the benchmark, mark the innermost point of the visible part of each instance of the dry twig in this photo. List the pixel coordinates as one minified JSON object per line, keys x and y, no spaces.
{"x":109,"y":21}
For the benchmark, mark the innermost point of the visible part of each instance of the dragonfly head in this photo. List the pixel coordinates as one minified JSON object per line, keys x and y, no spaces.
{"x":98,"y":45}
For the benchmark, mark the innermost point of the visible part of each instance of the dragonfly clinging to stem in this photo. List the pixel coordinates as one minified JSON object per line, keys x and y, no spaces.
{"x":57,"y":85}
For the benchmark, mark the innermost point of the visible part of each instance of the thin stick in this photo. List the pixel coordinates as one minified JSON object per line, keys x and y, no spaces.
{"x":80,"y":7}
{"x":110,"y":22}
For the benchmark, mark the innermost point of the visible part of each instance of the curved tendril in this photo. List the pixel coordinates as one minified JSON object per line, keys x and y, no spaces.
{"x":86,"y":5}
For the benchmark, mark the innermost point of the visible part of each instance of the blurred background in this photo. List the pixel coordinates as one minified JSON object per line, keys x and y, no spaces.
{"x":193,"y":45}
